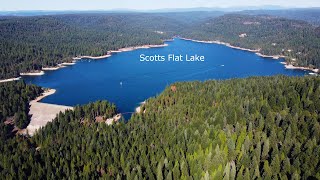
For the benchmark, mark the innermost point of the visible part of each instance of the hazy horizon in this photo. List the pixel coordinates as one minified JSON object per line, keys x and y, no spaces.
{"x":147,"y":5}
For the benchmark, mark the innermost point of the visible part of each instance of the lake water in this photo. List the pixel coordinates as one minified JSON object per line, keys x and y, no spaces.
{"x":126,"y":81}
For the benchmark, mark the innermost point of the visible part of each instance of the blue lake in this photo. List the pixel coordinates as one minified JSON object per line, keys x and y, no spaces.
{"x":126,"y":81}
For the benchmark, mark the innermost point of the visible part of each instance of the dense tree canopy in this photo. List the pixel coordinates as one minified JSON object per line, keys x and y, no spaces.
{"x":14,"y":105}
{"x":30,"y":43}
{"x":297,"y":40}
{"x":311,"y":15}
{"x":260,"y":127}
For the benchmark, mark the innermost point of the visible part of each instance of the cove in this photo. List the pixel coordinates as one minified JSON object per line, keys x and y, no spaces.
{"x":126,"y":81}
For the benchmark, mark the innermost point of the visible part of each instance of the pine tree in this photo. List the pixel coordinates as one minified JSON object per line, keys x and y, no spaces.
{"x":176,"y":171}
{"x":247,"y":174}
{"x":169,"y":176}
{"x":159,"y":171}
{"x":265,"y":151}
{"x":275,"y":164}
{"x":267,"y":174}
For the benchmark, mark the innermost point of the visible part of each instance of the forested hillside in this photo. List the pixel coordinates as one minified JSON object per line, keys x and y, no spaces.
{"x":311,"y":15}
{"x":14,"y":106}
{"x":192,"y":16}
{"x":260,"y":127}
{"x":297,"y":40}
{"x":30,"y":43}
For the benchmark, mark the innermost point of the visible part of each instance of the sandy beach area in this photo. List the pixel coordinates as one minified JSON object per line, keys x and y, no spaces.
{"x":290,"y":66}
{"x":223,"y":43}
{"x":138,"y":109}
{"x":92,"y":57}
{"x":59,"y":66}
{"x":273,"y":57}
{"x":114,"y":119}
{"x":109,"y":54}
{"x":68,"y":64}
{"x":114,"y":51}
{"x":9,"y":80}
{"x":168,"y":40}
{"x":257,"y":51}
{"x":52,"y":68}
{"x":42,"y":113}
{"x":141,"y":47}
{"x":40,"y":73}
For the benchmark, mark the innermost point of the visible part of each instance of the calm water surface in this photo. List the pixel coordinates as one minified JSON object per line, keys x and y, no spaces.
{"x":126,"y":81}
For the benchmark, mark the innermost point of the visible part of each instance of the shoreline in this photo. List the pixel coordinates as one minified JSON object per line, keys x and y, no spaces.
{"x":38,"y":73}
{"x":46,"y":93}
{"x":10,"y":80}
{"x":290,"y":66}
{"x":138,"y":109}
{"x":68,"y":64}
{"x":223,"y":43}
{"x":75,"y":59}
{"x":52,"y":68}
{"x":92,"y":57}
{"x":59,"y":66}
{"x":276,"y":57}
{"x":42,"y":113}
{"x":126,"y":49}
{"x":257,"y":52}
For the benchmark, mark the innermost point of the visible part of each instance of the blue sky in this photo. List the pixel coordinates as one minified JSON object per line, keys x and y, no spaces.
{"x":7,"y":5}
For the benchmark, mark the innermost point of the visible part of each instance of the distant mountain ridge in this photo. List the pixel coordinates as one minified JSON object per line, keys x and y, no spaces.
{"x":310,"y":15}
{"x":200,"y":9}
